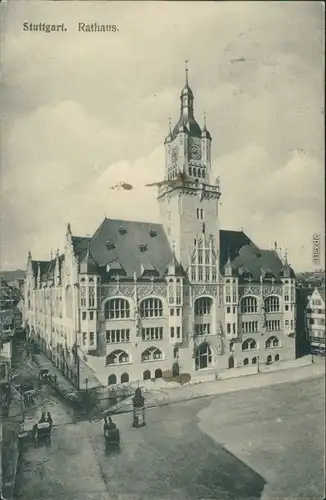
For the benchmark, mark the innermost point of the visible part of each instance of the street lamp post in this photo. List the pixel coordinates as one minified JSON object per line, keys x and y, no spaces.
{"x":257,"y":364}
{"x":86,"y":383}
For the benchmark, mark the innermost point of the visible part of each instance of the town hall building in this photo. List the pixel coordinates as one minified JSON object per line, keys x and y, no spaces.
{"x":139,"y":300}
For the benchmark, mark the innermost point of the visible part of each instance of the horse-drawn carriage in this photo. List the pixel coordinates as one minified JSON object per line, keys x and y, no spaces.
{"x":112,"y":438}
{"x":28,"y":391}
{"x":43,"y":433}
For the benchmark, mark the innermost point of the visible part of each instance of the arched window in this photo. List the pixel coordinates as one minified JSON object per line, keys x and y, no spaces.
{"x":151,"y":353}
{"x":147,"y":375}
{"x":269,"y":358}
{"x":272,"y":304}
{"x":124,"y":378}
{"x":249,"y":345}
{"x":277,"y":357}
{"x":112,"y":379}
{"x":117,"y":309}
{"x":203,"y":356}
{"x":203,"y":306}
{"x":246,"y":361}
{"x":158,"y":373}
{"x":272,"y":342}
{"x":194,"y":172}
{"x":254,"y":361}
{"x":231,"y":362}
{"x":151,"y":308}
{"x":189,"y":170}
{"x":248,"y":305}
{"x":117,"y":357}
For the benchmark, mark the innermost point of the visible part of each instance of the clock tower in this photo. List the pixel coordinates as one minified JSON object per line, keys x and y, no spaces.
{"x":188,"y":196}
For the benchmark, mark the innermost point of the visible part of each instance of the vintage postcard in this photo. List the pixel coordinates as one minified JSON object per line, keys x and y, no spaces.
{"x":162,"y":298}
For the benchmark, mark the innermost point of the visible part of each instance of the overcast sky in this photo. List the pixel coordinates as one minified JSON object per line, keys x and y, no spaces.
{"x":82,"y":111}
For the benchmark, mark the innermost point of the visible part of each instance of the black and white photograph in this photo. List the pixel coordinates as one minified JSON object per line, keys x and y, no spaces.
{"x":162,"y":258}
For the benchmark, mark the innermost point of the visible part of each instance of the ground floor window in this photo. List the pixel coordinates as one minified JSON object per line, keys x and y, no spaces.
{"x":146,"y":375}
{"x":158,"y":373}
{"x":203,"y":356}
{"x":246,"y":361}
{"x":124,"y":378}
{"x":112,"y":379}
{"x":254,"y":361}
{"x":277,"y":357}
{"x":269,"y":358}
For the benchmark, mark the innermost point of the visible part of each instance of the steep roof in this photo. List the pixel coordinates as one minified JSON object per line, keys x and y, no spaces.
{"x":87,"y":264}
{"x":247,"y":257}
{"x":80,"y":244}
{"x":134,"y":245}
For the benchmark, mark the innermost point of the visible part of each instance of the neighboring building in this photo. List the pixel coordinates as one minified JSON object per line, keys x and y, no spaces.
{"x":315,"y":321}
{"x":14,"y":279}
{"x":144,"y":300}
{"x":302,"y":339}
{"x":6,"y":333}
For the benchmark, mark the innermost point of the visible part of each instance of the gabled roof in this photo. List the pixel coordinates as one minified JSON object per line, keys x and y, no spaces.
{"x":133,"y":247}
{"x":247,"y":257}
{"x":80,"y":244}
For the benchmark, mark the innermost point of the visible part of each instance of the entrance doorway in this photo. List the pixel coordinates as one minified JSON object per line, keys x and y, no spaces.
{"x":231,"y":362}
{"x":203,"y":356}
{"x":175,"y":369}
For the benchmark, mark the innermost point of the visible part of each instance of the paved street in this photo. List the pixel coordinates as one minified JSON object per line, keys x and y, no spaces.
{"x":261,"y":443}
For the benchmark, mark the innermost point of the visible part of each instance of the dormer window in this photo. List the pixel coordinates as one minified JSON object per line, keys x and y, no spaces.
{"x":110,"y":245}
{"x":122,"y":230}
{"x":142,"y":247}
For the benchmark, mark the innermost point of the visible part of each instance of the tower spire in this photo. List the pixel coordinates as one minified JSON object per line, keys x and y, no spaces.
{"x":186,"y":70}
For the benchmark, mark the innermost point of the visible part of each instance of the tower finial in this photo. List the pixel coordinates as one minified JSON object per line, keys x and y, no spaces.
{"x":170,"y":126}
{"x":205,"y":119}
{"x":186,"y":69}
{"x":285,"y":256}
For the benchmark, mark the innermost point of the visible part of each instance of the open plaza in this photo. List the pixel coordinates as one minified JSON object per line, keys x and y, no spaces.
{"x":260,"y":443}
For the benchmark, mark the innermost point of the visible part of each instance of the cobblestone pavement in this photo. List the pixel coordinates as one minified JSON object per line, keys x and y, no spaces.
{"x":260,"y":443}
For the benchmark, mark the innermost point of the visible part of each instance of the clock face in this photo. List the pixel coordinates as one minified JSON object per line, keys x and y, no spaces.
{"x":174,"y":155}
{"x":194,"y":151}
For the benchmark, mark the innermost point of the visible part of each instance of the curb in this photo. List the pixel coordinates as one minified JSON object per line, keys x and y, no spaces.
{"x":201,"y":396}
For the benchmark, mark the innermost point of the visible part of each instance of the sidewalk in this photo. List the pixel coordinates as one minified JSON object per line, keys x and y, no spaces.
{"x":164,"y":396}
{"x":63,"y":385}
{"x":10,"y":452}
